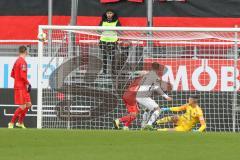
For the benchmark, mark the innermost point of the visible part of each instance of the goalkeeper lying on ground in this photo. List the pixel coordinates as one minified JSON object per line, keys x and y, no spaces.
{"x":185,"y":122}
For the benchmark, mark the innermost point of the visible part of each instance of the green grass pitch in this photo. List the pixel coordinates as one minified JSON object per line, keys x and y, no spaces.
{"x":33,"y":144}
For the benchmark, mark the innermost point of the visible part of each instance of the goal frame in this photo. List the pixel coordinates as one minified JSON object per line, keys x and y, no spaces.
{"x":146,"y":29}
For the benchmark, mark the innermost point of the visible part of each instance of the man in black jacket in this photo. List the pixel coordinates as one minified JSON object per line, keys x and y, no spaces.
{"x":108,"y":40}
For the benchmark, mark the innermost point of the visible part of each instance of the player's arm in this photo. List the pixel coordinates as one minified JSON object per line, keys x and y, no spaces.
{"x":175,"y":109}
{"x":202,"y":122}
{"x":203,"y":125}
{"x":178,"y":109}
{"x":23,"y":73}
{"x":162,"y":93}
{"x":12,"y":73}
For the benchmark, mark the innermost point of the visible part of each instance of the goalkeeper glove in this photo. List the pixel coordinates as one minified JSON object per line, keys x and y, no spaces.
{"x":195,"y":130}
{"x":164,"y":109}
{"x":29,"y":88}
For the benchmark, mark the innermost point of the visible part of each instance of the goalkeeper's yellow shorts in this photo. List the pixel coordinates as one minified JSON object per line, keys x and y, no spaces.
{"x":182,"y":128}
{"x":181,"y":125}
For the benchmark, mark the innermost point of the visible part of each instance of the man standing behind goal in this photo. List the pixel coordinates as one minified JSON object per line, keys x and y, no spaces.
{"x":108,"y":40}
{"x":150,"y":82}
{"x":21,"y":89}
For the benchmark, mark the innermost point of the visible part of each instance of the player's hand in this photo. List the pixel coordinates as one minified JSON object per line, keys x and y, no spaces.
{"x":169,"y":99}
{"x":29,"y":88}
{"x":164,"y":109}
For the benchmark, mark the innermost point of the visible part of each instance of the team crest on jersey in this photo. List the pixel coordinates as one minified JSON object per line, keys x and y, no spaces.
{"x":24,"y":67}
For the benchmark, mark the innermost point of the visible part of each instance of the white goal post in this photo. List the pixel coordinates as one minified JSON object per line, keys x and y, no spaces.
{"x":81,"y":81}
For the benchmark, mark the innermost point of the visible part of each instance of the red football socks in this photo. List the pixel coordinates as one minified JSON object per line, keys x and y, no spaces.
{"x":127,"y":120}
{"x":17,"y":112}
{"x":23,"y":115}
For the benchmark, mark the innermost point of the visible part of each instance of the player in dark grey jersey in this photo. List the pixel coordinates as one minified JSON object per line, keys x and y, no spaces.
{"x":151,"y":82}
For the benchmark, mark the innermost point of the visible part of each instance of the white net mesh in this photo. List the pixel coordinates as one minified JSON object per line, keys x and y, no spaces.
{"x":88,"y":77}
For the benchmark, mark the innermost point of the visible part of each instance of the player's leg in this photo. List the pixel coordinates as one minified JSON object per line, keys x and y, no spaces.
{"x":167,"y":119}
{"x":22,"y":116}
{"x":166,"y":129}
{"x":130,"y":117}
{"x":146,"y":115}
{"x":17,"y":112}
{"x":176,"y":129}
{"x":145,"y":118}
{"x":181,"y":128}
{"x":19,"y":100}
{"x":151,"y":105}
{"x":175,"y":119}
{"x":24,"y":112}
{"x":127,"y":120}
{"x":154,"y":116}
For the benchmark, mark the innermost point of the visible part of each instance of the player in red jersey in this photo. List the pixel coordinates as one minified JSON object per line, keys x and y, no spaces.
{"x":129,"y":99}
{"x":22,"y":88}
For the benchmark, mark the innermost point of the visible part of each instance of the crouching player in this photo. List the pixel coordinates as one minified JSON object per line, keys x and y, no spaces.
{"x":129,"y":99}
{"x":185,"y":122}
{"x":21,"y":89}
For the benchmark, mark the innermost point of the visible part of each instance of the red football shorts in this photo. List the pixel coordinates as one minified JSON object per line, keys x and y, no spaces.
{"x":131,"y":105}
{"x":21,"y":96}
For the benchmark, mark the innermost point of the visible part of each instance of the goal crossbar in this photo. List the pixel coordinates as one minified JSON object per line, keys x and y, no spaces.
{"x":170,"y":29}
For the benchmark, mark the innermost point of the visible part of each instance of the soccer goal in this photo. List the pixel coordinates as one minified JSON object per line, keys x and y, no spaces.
{"x":75,"y":91}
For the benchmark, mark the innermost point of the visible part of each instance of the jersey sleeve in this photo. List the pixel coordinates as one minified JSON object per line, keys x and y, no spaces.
{"x":160,"y":91}
{"x":23,"y":72}
{"x":178,"y":109}
{"x":12,"y":72}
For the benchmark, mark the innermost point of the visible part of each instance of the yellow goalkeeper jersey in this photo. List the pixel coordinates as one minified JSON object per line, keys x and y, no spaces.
{"x":191,"y":117}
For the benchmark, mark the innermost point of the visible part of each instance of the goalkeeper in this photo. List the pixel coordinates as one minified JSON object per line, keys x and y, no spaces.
{"x":185,"y":122}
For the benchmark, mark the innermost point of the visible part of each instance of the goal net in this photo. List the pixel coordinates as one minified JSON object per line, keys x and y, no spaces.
{"x":81,"y":80}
